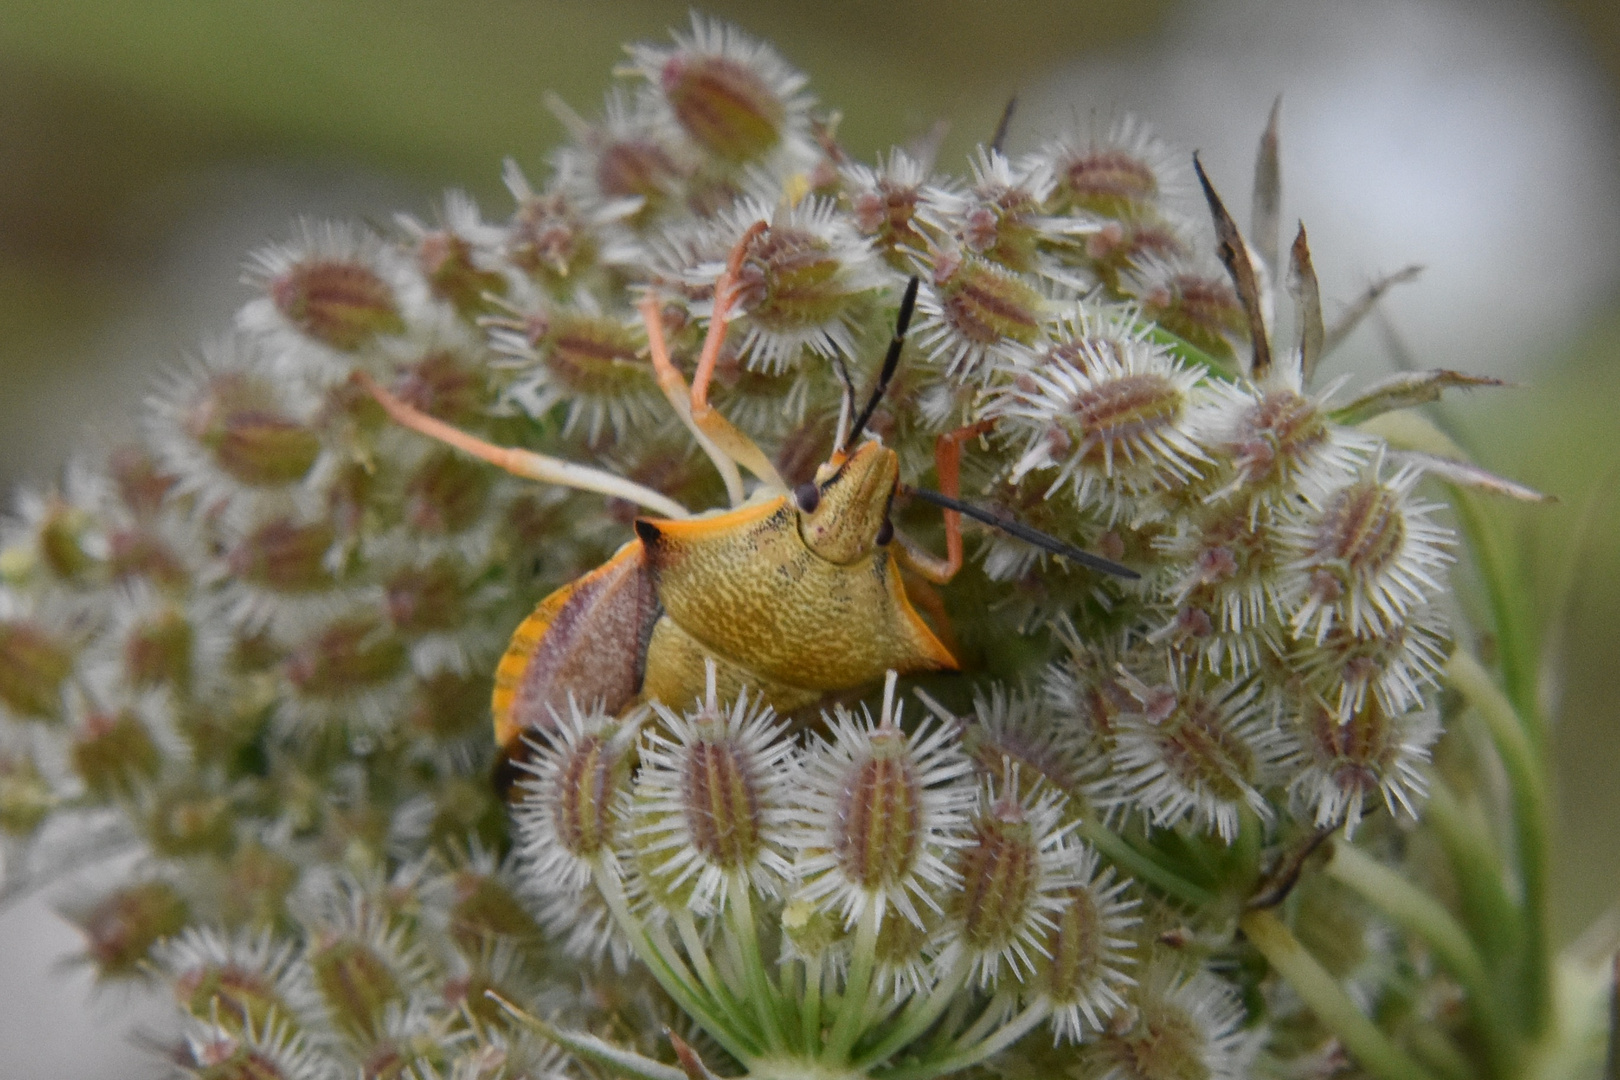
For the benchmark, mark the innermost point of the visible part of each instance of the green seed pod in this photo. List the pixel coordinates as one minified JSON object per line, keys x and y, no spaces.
{"x":284,"y":555}
{"x":121,"y":929}
{"x":190,"y":822}
{"x":158,"y":651}
{"x":237,"y":418}
{"x":485,"y":909}
{"x":355,"y":982}
{"x":25,"y":796}
{"x":447,"y":494}
{"x":34,"y":664}
{"x":340,"y":303}
{"x":257,"y":881}
{"x":66,"y":534}
{"x":348,"y":655}
{"x":446,"y":260}
{"x":114,"y":754}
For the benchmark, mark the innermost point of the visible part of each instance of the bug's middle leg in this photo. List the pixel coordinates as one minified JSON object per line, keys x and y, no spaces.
{"x":723,"y":442}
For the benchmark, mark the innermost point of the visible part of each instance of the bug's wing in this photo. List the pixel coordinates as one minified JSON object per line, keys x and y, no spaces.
{"x":588,"y":639}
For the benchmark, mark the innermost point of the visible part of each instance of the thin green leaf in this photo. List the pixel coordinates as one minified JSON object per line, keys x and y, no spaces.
{"x":1264,"y":222}
{"x":1470,"y":475}
{"x":1307,"y":304}
{"x":1406,"y":389}
{"x":1234,"y":254}
{"x":1364,"y":303}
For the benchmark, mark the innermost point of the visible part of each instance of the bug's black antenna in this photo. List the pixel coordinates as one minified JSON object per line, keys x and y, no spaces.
{"x":999,"y":139}
{"x":890,"y":361}
{"x":1024,"y":533}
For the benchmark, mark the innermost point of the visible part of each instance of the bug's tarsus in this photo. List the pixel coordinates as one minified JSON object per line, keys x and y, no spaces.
{"x":891,"y":361}
{"x":1025,"y":533}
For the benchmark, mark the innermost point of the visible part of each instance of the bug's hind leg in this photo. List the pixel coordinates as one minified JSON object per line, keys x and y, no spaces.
{"x":525,"y":463}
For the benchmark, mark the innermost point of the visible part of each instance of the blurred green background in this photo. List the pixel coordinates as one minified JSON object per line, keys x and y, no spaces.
{"x":147,"y":145}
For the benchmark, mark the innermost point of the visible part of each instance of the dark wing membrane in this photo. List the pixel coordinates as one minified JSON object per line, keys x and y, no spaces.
{"x":587,"y":640}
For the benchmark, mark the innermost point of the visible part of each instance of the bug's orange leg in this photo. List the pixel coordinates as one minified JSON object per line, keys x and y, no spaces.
{"x":948,"y":464}
{"x":739,"y":447}
{"x":675,"y":389}
{"x":926,"y":599}
{"x":525,"y":463}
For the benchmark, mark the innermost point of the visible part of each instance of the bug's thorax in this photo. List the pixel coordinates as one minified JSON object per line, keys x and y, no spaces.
{"x":851,"y":507}
{"x":798,"y":589}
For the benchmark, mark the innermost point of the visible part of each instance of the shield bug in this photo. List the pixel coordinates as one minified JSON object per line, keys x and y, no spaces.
{"x":792,"y":592}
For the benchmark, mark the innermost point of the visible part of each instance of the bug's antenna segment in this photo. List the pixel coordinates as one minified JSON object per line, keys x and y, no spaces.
{"x":891,"y":360}
{"x":1025,"y":533}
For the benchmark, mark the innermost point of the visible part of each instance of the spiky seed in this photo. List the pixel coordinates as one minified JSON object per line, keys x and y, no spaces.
{"x":339,"y":303}
{"x":121,"y":929}
{"x":881,"y":810}
{"x":26,"y":797}
{"x":34,"y":663}
{"x":114,"y":753}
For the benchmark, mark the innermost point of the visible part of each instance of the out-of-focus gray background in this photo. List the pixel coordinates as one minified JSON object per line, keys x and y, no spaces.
{"x":146,"y":148}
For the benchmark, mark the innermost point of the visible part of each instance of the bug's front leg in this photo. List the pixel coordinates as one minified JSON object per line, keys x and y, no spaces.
{"x":948,"y":466}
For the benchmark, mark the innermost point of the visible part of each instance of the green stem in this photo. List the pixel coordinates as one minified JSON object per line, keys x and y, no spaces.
{"x":767,"y":1001}
{"x":1511,"y":614}
{"x":960,"y":1060}
{"x":697,"y":954}
{"x":1531,"y":820}
{"x":1437,"y":1052}
{"x":989,"y":1017}
{"x":1371,"y":1048}
{"x":1243,"y":857}
{"x":583,"y":1045}
{"x":857,"y":986}
{"x":811,"y":1013}
{"x":670,"y":972}
{"x":1118,"y":851}
{"x":1491,"y":915}
{"x":918,"y":1015}
{"x":1423,"y":917}
{"x":942,"y":1036}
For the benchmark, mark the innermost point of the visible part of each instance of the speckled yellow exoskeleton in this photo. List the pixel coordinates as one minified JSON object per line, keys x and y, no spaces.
{"x":791,"y":593}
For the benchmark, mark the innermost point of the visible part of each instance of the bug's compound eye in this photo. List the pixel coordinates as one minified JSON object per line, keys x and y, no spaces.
{"x":885,"y":533}
{"x":807,"y":496}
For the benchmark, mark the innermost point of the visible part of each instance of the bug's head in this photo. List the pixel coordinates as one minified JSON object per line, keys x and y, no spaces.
{"x":844,"y":511}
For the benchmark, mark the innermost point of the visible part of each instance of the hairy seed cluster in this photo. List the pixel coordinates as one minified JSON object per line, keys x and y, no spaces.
{"x":258,"y":646}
